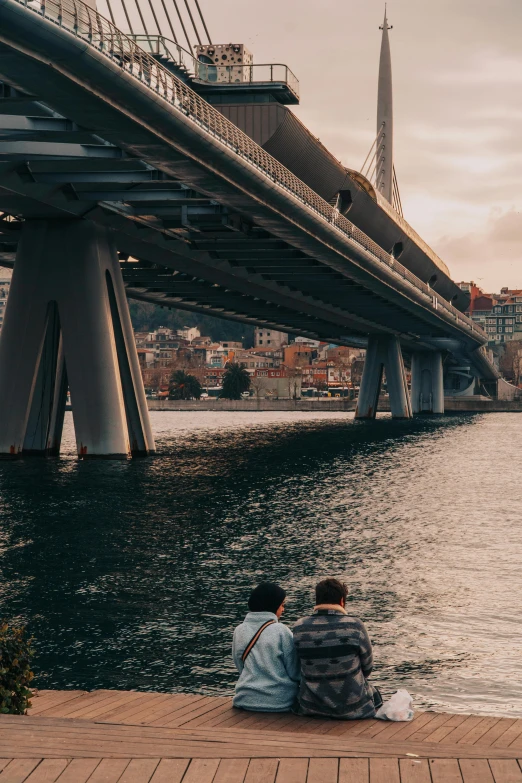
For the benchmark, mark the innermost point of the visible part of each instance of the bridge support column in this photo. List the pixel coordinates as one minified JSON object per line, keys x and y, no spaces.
{"x":67,"y":323}
{"x":383,"y":353}
{"x":427,"y":383}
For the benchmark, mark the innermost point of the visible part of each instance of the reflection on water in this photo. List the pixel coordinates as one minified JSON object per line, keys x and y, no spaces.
{"x":133,"y":574}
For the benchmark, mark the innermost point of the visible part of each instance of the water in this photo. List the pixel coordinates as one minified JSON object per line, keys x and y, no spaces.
{"x":133,"y":574}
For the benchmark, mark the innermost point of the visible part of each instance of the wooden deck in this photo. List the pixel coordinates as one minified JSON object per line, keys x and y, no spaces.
{"x":130,"y":737}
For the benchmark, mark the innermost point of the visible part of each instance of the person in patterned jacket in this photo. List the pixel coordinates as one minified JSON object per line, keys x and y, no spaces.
{"x":336,"y":659}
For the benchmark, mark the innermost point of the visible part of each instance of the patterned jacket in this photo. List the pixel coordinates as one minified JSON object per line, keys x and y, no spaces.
{"x":336,"y":658}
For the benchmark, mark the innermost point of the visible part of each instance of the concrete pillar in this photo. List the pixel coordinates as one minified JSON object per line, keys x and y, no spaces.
{"x":427,"y":384}
{"x":67,"y":323}
{"x":383,"y":353}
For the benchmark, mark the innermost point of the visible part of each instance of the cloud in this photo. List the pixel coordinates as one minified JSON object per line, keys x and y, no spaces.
{"x":488,"y":254}
{"x":486,"y":68}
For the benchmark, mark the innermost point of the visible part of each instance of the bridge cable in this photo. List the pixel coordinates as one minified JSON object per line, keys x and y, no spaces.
{"x":375,"y":141}
{"x":170,"y":23}
{"x":155,"y":17}
{"x":203,"y":20}
{"x":141,"y":17}
{"x":127,"y":17}
{"x":193,"y":22}
{"x":377,"y":151}
{"x":376,"y":164}
{"x":111,"y":14}
{"x":182,"y":25}
{"x":397,"y":194}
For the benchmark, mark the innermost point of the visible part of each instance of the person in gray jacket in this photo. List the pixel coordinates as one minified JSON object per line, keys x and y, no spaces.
{"x":264,"y":654}
{"x":336,"y":659}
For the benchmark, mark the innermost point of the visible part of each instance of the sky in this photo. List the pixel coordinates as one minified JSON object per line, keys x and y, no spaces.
{"x":457,"y":78}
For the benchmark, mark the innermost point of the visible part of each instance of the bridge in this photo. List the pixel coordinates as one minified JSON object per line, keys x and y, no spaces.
{"x":121,"y":175}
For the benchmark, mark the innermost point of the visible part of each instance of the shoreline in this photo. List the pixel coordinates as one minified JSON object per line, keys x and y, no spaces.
{"x":326,"y":404}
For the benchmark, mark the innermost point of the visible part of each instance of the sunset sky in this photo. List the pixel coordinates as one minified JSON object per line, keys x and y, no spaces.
{"x":457,"y":72}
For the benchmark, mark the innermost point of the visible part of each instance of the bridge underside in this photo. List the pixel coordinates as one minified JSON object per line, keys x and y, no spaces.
{"x":194,"y":226}
{"x":179,"y":248}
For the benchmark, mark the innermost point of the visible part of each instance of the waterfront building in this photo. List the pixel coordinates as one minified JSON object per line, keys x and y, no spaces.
{"x":189,"y":333}
{"x":500,"y":315}
{"x":505,"y":321}
{"x":299,"y":354}
{"x":277,"y":382}
{"x":269,"y":337}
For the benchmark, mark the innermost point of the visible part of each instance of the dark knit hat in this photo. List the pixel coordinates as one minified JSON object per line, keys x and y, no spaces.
{"x":266,"y":597}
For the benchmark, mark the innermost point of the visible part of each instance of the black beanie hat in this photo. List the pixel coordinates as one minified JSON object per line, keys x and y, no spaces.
{"x":266,"y":597}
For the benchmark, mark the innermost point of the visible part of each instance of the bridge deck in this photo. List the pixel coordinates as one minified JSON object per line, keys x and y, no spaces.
{"x":130,"y":737}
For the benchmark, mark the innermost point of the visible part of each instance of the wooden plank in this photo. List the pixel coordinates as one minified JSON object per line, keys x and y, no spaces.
{"x":217,"y":719}
{"x":384,"y":770}
{"x":414,"y":771}
{"x":354,"y":771}
{"x":82,"y":703}
{"x":255,"y":720}
{"x":465,"y":727}
{"x":109,"y":770}
{"x":48,"y":771}
{"x":60,"y":737}
{"x":323,"y":770}
{"x":474,"y":735}
{"x":505,"y":770}
{"x":261,"y":771}
{"x":517,"y":743}
{"x":164,"y":710}
{"x":201,"y":707}
{"x":421,"y":723}
{"x":295,"y":723}
{"x":445,"y":771}
{"x":235,"y":719}
{"x":231,"y":771}
{"x":4,"y":763}
{"x":18,"y":770}
{"x":200,"y":714}
{"x":96,"y":710}
{"x":146,"y":710}
{"x":170,"y":771}
{"x":292,"y":771}
{"x":497,"y":731}
{"x":139,"y":771}
{"x":201,"y":771}
{"x":505,"y":740}
{"x":476,"y":771}
{"x":337,"y":728}
{"x":421,"y":734}
{"x":120,"y":712}
{"x":440,"y":734}
{"x":189,"y":708}
{"x":52,"y":699}
{"x":78,"y":771}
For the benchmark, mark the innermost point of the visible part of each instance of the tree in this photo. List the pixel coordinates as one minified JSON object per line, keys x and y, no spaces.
{"x":293,"y":382}
{"x":184,"y":386}
{"x":259,"y":385}
{"x":16,"y":652}
{"x":236,"y":380}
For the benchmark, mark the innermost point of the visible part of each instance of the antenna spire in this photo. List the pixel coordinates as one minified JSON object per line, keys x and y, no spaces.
{"x":384,"y":173}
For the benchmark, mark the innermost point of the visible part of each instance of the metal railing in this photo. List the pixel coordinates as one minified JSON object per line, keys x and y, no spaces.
{"x":86,"y":23}
{"x":256,"y":73}
{"x":159,"y":46}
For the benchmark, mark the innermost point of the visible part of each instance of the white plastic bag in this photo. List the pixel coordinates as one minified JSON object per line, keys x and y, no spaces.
{"x":399,"y":707}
